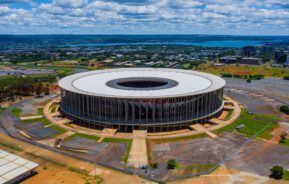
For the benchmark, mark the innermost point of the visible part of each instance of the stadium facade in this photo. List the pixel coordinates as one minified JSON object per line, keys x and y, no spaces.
{"x":141,"y":98}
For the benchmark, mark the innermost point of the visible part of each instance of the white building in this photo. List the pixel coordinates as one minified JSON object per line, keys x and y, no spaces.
{"x":13,"y":168}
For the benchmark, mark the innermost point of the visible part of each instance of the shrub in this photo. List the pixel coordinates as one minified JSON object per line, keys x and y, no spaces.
{"x":258,"y":76}
{"x":276,"y":172}
{"x":226,"y":75}
{"x":154,"y":165}
{"x":285,"y":109}
{"x":172,"y":164}
{"x":286,"y":77}
{"x":283,"y":137}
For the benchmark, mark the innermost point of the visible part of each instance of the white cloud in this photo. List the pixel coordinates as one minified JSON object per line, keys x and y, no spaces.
{"x":4,"y":10}
{"x":71,"y":3}
{"x":151,"y":16}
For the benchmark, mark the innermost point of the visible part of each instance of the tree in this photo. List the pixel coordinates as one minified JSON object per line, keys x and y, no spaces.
{"x":154,"y":165}
{"x":46,"y":90}
{"x":285,"y":109}
{"x":227,"y":75}
{"x":276,"y":172}
{"x":172,"y":164}
{"x":38,"y":89}
{"x":283,"y":137}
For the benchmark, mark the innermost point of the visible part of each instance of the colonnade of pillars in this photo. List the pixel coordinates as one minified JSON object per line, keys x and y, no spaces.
{"x":137,"y":113}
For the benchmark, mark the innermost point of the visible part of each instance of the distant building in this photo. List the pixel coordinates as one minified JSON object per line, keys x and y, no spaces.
{"x":228,"y":60}
{"x":238,"y":53}
{"x":249,"y":51}
{"x":280,"y":56}
{"x":119,"y":56}
{"x":287,"y":61}
{"x":251,"y":61}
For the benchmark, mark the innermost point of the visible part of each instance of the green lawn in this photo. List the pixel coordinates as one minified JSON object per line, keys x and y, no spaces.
{"x":258,"y":125}
{"x":285,"y":175}
{"x":16,"y":112}
{"x":286,"y":143}
{"x":43,"y":120}
{"x":59,"y":129}
{"x":40,"y":111}
{"x":174,"y":139}
{"x":116,"y":140}
{"x":83,"y":136}
{"x":228,"y":116}
{"x":53,"y":109}
{"x":2,"y":109}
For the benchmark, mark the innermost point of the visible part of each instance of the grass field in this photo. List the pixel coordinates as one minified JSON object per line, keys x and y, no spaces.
{"x":40,"y":111}
{"x":53,"y":109}
{"x":285,"y":175}
{"x":228,"y":116}
{"x":244,"y":70}
{"x":286,"y":143}
{"x":174,"y":139}
{"x":59,"y":129}
{"x":2,"y":110}
{"x":92,"y":137}
{"x":43,"y":120}
{"x":258,"y":125}
{"x":16,"y":112}
{"x":116,"y":140}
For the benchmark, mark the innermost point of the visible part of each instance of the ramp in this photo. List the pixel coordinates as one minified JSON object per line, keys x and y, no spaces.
{"x":138,"y":153}
{"x":202,"y":129}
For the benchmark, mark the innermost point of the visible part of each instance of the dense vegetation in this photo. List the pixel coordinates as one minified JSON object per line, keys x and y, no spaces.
{"x":172,"y":164}
{"x":11,"y":86}
{"x":276,"y":172}
{"x":244,"y":70}
{"x":248,"y":77}
{"x":284,"y":109}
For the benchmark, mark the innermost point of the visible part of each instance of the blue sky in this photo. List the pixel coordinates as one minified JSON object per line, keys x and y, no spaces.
{"x":234,"y":17}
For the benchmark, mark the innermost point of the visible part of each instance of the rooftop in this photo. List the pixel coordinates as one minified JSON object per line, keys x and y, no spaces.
{"x":141,"y":83}
{"x":12,"y":166}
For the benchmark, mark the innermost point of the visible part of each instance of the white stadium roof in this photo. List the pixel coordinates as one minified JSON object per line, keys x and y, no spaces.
{"x":12,"y":166}
{"x":95,"y":82}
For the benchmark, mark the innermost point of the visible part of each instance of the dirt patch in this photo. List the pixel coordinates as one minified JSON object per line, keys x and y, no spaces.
{"x":258,"y":156}
{"x":276,"y":134}
{"x":59,"y":172}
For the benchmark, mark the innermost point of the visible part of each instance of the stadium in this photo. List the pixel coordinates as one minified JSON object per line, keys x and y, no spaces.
{"x":150,"y":99}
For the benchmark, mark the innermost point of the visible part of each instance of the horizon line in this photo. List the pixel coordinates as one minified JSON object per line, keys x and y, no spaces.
{"x":178,"y":34}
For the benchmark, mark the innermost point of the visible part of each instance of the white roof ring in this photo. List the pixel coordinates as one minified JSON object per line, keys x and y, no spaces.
{"x":141,"y":83}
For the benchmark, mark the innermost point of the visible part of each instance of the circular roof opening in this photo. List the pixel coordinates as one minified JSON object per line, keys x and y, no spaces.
{"x":142,"y":83}
{"x":98,"y":83}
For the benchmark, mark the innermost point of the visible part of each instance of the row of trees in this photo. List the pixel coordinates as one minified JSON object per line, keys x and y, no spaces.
{"x":252,"y":77}
{"x":11,"y":86}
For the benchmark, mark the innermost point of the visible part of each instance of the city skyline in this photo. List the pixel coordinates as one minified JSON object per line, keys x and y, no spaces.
{"x":221,"y":17}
